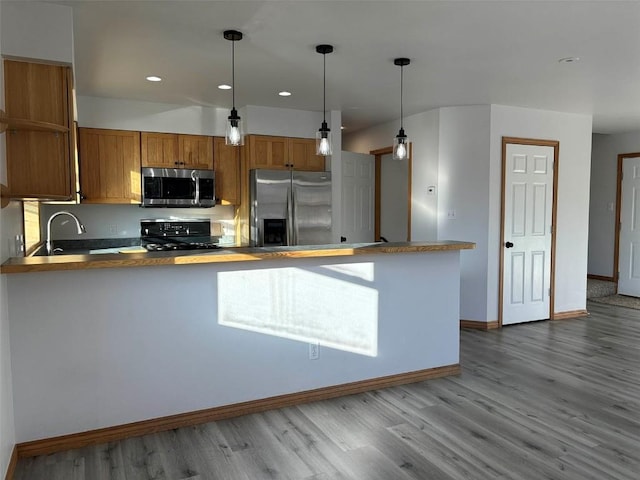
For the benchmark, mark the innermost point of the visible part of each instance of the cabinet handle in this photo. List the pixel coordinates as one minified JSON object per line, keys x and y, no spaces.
{"x":176,"y":163}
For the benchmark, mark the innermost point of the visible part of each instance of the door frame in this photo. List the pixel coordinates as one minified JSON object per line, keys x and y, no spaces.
{"x":378,"y":188}
{"x":554,"y":217}
{"x":618,"y":221}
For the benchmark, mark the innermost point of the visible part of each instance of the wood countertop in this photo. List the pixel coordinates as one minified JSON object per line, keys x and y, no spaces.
{"x":235,"y":254}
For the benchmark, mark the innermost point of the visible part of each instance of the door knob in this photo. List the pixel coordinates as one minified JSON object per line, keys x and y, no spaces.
{"x":508,"y":244}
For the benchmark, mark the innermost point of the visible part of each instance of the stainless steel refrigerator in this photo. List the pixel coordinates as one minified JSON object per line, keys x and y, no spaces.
{"x":290,"y":208}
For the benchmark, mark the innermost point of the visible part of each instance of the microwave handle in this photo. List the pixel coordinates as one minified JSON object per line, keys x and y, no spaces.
{"x":197,"y":199}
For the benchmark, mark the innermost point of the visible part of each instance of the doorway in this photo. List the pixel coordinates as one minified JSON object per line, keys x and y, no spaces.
{"x":392,"y":196}
{"x":528,"y":219}
{"x":627,"y":237}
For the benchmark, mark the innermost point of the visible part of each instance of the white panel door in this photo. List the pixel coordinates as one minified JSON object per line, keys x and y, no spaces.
{"x":526,"y":244}
{"x":629,"y":259}
{"x":358,"y":188}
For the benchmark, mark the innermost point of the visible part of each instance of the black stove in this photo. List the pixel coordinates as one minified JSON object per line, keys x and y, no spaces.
{"x":161,"y":235}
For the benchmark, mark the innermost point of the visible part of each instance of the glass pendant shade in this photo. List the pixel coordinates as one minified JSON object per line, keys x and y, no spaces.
{"x":400,"y":146}
{"x":323,"y":136}
{"x":234,"y":134}
{"x":401,"y":142}
{"x":323,"y":140}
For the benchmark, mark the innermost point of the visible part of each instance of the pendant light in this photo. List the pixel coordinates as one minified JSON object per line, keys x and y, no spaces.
{"x":323,"y":136}
{"x":401,"y":142}
{"x":234,"y":134}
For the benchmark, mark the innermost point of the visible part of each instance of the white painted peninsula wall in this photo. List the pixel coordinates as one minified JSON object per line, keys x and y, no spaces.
{"x":98,"y":348}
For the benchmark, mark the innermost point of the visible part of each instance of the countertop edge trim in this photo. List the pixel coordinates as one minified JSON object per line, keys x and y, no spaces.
{"x":100,"y":261}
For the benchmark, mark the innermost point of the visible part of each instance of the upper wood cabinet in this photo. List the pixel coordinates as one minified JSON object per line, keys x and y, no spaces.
{"x":302,"y":155}
{"x":109,"y":166}
{"x":282,"y":153}
{"x":171,"y":150}
{"x":227,"y":172}
{"x":40,"y":142}
{"x":38,"y":93}
{"x":195,"y":151}
{"x":268,"y":152}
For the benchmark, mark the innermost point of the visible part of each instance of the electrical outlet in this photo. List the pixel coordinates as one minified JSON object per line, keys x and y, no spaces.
{"x":113,"y":229}
{"x":314,"y":351}
{"x":451,"y":214}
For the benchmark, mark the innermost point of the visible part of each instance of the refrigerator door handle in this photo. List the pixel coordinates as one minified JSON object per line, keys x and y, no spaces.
{"x":294,"y":223}
{"x":289,"y":218}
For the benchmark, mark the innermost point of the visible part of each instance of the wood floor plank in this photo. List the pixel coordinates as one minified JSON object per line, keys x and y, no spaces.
{"x":544,"y":400}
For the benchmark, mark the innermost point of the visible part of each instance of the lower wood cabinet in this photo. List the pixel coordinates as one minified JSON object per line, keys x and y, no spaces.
{"x":109,"y":166}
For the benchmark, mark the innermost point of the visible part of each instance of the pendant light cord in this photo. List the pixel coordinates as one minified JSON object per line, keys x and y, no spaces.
{"x":324,"y":87}
{"x":401,"y":92}
{"x":233,"y":74}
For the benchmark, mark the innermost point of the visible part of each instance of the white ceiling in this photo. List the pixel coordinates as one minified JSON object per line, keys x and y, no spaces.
{"x":462,"y":53}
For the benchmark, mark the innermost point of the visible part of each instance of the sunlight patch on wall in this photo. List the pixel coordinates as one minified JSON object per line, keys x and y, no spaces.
{"x":333,"y":305}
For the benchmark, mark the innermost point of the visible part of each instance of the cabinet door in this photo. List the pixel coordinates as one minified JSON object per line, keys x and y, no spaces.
{"x":159,"y":150}
{"x":302,"y":155}
{"x":40,"y":144}
{"x":109,"y":166}
{"x":38,"y":165}
{"x":196,"y":151}
{"x":227,"y":171}
{"x":37,"y":92}
{"x":268,"y":152}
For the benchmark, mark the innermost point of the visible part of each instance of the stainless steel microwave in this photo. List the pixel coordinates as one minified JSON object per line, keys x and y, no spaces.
{"x":177,"y":187}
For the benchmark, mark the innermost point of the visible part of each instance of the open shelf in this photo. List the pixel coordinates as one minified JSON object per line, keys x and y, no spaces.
{"x":31,"y":125}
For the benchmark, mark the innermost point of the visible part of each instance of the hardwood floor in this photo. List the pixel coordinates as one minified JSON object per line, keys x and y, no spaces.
{"x":546,"y":400}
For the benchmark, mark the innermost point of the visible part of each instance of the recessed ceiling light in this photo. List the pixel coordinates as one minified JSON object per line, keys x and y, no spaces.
{"x":569,"y":59}
{"x":284,"y":94}
{"x":153,"y":78}
{"x":224,"y":86}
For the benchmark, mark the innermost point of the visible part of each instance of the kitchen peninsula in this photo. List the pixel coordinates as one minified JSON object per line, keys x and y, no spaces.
{"x":166,"y":339}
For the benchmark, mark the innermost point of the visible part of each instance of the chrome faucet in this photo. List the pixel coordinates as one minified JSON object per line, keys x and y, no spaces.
{"x":79,"y":224}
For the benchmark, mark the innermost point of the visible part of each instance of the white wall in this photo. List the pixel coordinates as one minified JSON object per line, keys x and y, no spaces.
{"x":97,"y":348}
{"x":467,"y":158}
{"x":10,"y":225}
{"x":121,"y":114}
{"x":285,"y":122}
{"x":37,"y":30}
{"x":463,"y":204}
{"x":573,"y":131}
{"x":423,"y":132}
{"x":394,"y":195}
{"x":602,"y":212}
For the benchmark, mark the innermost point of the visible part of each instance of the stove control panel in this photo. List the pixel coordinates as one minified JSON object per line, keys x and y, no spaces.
{"x":175,"y":228}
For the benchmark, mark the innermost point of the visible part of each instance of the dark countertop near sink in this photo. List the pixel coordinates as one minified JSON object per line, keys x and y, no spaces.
{"x":84,"y":246}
